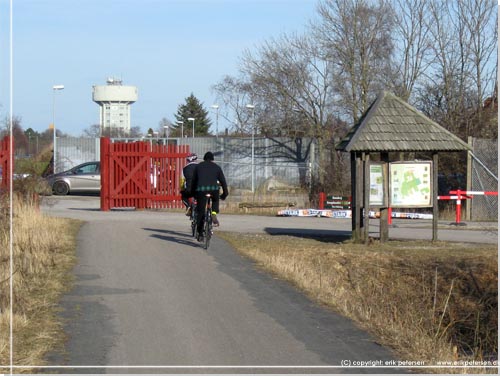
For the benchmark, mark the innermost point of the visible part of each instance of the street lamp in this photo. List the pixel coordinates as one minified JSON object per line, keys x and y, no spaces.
{"x":252,"y":107}
{"x":216,"y":107}
{"x":166,"y":132}
{"x":182,"y":127}
{"x":192,"y":119}
{"x":54,"y":89}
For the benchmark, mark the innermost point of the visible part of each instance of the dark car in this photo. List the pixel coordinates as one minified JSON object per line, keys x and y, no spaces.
{"x":85,"y":177}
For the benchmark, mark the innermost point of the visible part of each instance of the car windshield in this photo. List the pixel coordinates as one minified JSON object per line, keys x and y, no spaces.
{"x":87,"y":169}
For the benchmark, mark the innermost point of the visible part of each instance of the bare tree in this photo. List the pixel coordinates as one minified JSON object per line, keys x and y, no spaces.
{"x":21,"y":143}
{"x":413,"y":44}
{"x":288,"y":81}
{"x":92,"y":131}
{"x":463,"y":73}
{"x":166,"y":128}
{"x":291,"y":80}
{"x":356,"y":35}
{"x":461,"y":76}
{"x":95,"y":130}
{"x":234,"y":94}
{"x":135,"y":132}
{"x":480,"y":25}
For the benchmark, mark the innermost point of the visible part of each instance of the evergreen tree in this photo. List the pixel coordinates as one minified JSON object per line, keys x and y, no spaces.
{"x":193,"y":108}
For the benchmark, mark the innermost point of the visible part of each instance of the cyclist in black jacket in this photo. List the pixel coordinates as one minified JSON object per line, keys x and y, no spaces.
{"x":206,"y":179}
{"x":187,"y":174}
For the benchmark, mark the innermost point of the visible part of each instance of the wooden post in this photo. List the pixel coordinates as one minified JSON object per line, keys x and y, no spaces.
{"x":355,"y":202}
{"x":435,"y":207}
{"x":366,"y":197}
{"x":468,"y":203}
{"x":384,"y":211}
{"x":354,"y":226}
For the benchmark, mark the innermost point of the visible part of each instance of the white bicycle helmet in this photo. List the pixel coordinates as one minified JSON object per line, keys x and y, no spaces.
{"x":192,"y":157}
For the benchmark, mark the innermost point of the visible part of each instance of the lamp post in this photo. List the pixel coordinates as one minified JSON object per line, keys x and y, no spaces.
{"x":166,"y":132}
{"x":192,"y":119}
{"x":182,"y":127}
{"x":252,"y":107}
{"x":216,"y":107}
{"x":54,"y":89}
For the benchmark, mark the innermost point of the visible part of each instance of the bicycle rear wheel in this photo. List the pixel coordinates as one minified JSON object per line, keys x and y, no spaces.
{"x":193,"y":221}
{"x":208,"y":229}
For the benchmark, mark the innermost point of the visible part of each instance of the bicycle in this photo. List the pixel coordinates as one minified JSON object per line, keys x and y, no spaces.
{"x":208,"y":225}
{"x":193,"y":217}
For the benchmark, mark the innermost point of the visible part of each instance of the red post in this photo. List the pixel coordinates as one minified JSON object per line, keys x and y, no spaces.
{"x":322,"y":199}
{"x":389,"y":216}
{"x":6,"y":156}
{"x":105,"y":145}
{"x":458,"y":209}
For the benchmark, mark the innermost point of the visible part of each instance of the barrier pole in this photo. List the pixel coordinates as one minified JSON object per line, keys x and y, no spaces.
{"x":322,"y":199}
{"x":458,"y":212}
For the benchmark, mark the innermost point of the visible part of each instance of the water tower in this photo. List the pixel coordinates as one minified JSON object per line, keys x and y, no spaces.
{"x":114,"y":100}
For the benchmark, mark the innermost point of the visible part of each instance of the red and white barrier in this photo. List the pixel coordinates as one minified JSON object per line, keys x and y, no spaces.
{"x":457,"y":195}
{"x":460,"y":195}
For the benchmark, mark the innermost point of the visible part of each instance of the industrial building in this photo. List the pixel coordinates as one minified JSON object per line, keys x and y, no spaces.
{"x":114,"y":100}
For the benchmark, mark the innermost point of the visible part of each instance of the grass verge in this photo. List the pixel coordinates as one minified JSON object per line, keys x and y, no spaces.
{"x":428,"y":301}
{"x":43,"y":249}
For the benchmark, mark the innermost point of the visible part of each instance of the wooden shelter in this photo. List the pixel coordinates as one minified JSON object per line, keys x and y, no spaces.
{"x":390,"y":125}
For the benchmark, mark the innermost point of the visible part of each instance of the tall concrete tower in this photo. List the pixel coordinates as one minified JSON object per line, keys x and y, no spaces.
{"x":114,"y":102}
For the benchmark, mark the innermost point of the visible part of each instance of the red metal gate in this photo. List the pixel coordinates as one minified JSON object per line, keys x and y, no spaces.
{"x":6,"y":154}
{"x":141,"y":175}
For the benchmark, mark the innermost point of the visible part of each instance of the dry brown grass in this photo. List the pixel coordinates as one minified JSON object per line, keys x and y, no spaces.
{"x":43,"y":249}
{"x":427,"y":301}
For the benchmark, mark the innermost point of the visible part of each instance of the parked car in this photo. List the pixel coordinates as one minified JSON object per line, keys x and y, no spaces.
{"x":85,"y":177}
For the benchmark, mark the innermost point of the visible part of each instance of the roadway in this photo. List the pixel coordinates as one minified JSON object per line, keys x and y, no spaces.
{"x":148,"y":299}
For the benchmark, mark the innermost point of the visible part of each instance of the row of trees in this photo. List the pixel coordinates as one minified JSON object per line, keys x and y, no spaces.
{"x":440,"y":56}
{"x":182,"y":126}
{"x":29,"y":141}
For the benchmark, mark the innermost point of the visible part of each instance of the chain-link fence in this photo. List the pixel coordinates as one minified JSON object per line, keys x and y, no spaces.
{"x":72,"y":151}
{"x":247,"y":163}
{"x":483,"y":177}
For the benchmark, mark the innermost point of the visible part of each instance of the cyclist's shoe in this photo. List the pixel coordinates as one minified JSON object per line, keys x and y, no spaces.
{"x":201,"y":237}
{"x":215,"y":221}
{"x":188,"y":212}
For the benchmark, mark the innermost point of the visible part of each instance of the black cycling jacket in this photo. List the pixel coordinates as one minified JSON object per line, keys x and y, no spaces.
{"x":207,"y":177}
{"x":188,"y":172}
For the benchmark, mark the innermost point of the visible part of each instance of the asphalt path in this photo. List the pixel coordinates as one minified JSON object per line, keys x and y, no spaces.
{"x":148,"y":298}
{"x":87,"y":208}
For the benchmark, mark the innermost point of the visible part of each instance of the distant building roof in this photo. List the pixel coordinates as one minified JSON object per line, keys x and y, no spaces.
{"x":391,"y":124}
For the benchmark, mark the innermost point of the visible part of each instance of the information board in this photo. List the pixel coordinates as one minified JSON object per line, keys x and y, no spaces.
{"x":377,"y":196}
{"x":410,"y":184}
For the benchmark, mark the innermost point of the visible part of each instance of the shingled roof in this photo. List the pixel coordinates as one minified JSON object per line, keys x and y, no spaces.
{"x":391,"y":124}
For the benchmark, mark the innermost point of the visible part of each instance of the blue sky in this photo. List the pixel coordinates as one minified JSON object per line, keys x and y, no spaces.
{"x":167,"y":48}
